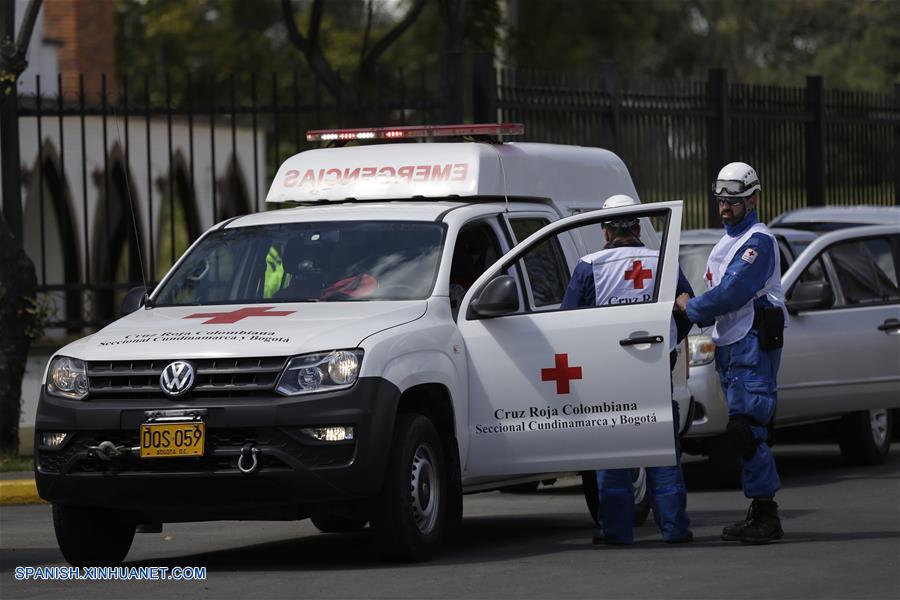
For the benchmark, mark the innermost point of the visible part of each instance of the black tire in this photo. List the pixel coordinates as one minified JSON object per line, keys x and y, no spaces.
{"x":410,"y":514}
{"x":865,"y":436}
{"x":724,"y":462}
{"x":327,"y":523}
{"x":641,"y":497}
{"x":92,"y":537}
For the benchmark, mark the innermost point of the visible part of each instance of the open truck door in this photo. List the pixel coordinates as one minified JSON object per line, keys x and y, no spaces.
{"x":567,"y":390}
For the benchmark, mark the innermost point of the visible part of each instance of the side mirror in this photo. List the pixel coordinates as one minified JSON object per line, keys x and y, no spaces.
{"x":134,"y":299}
{"x":810,"y":296}
{"x":499,"y":297}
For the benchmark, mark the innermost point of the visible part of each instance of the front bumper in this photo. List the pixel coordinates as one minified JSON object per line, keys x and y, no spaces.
{"x":295,"y":470}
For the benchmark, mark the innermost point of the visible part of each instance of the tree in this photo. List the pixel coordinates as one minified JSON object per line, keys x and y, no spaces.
{"x":310,"y":44}
{"x":18,"y":281}
{"x":853,"y":43}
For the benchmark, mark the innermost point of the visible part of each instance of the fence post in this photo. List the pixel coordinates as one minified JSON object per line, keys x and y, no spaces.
{"x":10,"y":172}
{"x":611,"y":87}
{"x":897,"y":145}
{"x":454,"y":91}
{"x":484,"y":88}
{"x":717,"y":125}
{"x":815,"y":141}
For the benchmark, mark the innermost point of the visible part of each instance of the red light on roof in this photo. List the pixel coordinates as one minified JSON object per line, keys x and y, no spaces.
{"x":414,"y":131}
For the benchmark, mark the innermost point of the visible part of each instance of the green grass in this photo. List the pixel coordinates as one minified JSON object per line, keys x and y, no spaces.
{"x":10,"y":463}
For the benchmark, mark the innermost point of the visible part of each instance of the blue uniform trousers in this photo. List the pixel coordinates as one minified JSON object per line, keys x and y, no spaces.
{"x":748,"y":376}
{"x":668,"y":497}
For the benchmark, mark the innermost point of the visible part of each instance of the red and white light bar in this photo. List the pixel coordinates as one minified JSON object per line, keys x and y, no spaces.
{"x":414,"y":131}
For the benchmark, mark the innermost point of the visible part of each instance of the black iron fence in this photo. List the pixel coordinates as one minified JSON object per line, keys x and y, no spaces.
{"x":116,"y":186}
{"x":811,"y":146}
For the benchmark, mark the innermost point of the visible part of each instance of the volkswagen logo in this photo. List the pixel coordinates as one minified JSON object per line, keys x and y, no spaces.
{"x":177,"y":378}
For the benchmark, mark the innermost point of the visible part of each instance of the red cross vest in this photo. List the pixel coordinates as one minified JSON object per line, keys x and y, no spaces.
{"x":626,"y":275}
{"x":733,"y":326}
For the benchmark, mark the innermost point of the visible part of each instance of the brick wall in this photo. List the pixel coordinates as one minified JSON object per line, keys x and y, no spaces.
{"x":85,"y":32}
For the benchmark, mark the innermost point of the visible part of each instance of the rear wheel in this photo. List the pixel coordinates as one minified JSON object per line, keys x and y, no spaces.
{"x":92,"y":537}
{"x":641,"y":497}
{"x":865,"y":436}
{"x":410,"y":513}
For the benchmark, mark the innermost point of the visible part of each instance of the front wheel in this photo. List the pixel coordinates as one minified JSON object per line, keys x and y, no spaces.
{"x":91,"y":537}
{"x":865,"y":436}
{"x":410,"y":513}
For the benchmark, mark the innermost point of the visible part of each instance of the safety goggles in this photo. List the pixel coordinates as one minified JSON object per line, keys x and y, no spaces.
{"x":732,"y":187}
{"x":626,"y":223}
{"x":729,"y":200}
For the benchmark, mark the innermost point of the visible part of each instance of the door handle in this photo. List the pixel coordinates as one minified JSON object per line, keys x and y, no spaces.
{"x":889,"y":325}
{"x":647,"y":339}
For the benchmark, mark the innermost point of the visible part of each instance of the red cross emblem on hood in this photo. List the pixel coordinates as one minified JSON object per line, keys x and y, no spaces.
{"x":638,"y":274}
{"x":217,"y":318}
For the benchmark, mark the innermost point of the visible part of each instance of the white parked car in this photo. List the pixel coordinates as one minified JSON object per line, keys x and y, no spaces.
{"x":841,"y":357}
{"x":369,"y":356}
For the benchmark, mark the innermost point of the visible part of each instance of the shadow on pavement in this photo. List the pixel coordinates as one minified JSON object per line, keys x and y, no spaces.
{"x":10,"y":559}
{"x":801,"y":466}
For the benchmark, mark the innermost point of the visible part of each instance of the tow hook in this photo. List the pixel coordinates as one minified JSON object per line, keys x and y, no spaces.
{"x":106,"y":451}
{"x":249,"y":453}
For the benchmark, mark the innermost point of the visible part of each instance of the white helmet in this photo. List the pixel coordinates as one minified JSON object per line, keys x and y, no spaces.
{"x":736,"y":180}
{"x":618,"y":201}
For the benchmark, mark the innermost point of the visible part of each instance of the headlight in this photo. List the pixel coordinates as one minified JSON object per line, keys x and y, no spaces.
{"x":320,"y":372}
{"x":67,"y":378}
{"x":702,"y":349}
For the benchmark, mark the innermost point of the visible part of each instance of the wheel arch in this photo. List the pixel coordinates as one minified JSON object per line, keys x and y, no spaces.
{"x":435,"y":402}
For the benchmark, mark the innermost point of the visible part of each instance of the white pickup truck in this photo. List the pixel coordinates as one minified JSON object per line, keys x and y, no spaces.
{"x":368,"y":356}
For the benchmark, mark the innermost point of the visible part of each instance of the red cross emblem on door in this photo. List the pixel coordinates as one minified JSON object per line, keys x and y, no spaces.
{"x":217,"y":318}
{"x":562,"y":374}
{"x":638,"y":274}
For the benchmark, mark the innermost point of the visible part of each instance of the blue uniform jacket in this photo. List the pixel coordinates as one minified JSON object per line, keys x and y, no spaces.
{"x":742,"y":280}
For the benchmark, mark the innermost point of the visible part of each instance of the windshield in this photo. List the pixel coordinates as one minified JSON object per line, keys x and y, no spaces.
{"x":692,"y":260}
{"x":308,"y":262}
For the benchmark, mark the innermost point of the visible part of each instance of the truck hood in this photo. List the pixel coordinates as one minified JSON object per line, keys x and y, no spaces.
{"x":242,"y":330}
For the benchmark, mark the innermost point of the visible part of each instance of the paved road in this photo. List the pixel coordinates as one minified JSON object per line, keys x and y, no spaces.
{"x":842,"y":541}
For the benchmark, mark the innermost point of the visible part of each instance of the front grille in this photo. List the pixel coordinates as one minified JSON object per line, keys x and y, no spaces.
{"x":73,"y":457}
{"x":215,"y":377}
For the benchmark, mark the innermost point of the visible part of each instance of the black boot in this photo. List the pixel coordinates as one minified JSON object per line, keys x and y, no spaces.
{"x":732,"y":533}
{"x":761,"y":526}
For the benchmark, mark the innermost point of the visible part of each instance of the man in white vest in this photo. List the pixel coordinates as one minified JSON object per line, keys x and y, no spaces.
{"x":625,"y":272}
{"x":746,"y":303}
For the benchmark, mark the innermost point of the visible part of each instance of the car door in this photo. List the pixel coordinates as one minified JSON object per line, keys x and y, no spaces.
{"x":844,"y":355}
{"x":559,"y":390}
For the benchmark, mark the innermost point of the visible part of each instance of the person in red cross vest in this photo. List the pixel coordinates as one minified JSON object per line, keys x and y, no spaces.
{"x":745,"y":303}
{"x":625,"y":272}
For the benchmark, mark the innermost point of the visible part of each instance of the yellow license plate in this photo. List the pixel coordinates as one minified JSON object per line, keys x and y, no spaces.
{"x":172,"y":439}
